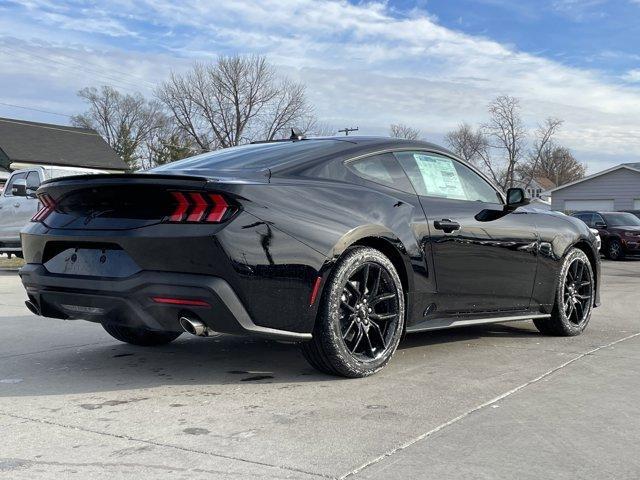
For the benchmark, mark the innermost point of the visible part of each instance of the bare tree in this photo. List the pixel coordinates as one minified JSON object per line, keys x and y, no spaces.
{"x":233,"y":101}
{"x":400,"y":130}
{"x":166,"y":144}
{"x":474,"y":147}
{"x":543,"y":143}
{"x":507,"y":133}
{"x":124,"y":121}
{"x":557,"y":164}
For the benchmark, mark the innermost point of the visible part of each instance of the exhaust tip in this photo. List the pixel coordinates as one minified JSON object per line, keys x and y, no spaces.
{"x":32,"y":307}
{"x":193,"y":326}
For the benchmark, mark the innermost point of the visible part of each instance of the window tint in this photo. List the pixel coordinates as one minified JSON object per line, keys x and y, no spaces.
{"x":33,"y":181}
{"x":621,"y":220}
{"x":597,"y":218}
{"x":9,"y":187}
{"x":586,"y":218}
{"x":382,"y":169}
{"x":438,"y":176}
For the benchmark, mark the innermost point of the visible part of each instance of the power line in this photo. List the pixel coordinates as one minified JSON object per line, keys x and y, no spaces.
{"x":35,"y":109}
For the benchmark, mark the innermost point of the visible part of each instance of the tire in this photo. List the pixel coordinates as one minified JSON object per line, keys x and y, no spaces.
{"x":140,"y":336}
{"x":360,"y":318}
{"x":614,"y":250}
{"x":575,"y":289}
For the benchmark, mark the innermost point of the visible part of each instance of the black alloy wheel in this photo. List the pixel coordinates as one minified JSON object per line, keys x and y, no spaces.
{"x":575,"y":292}
{"x":614,"y":250}
{"x":360,"y":318}
{"x":369,"y":312}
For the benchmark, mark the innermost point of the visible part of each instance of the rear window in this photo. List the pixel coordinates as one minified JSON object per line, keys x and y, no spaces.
{"x":258,"y":156}
{"x":621,"y":220}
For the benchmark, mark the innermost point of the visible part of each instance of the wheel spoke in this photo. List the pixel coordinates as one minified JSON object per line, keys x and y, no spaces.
{"x":358,"y":340}
{"x":379,"y":332}
{"x":382,"y":317}
{"x":376,"y":285}
{"x":363,"y":286}
{"x":371,"y":349}
{"x":346,"y":332}
{"x":354,"y":290}
{"x":382,"y":298}
{"x":344,"y":303}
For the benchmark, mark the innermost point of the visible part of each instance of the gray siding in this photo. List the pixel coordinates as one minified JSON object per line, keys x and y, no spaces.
{"x":623,"y":186}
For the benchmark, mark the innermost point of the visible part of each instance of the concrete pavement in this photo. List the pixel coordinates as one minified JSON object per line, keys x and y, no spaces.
{"x":500,"y":401}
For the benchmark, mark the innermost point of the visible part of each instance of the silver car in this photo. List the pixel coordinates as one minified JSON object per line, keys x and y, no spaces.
{"x":18,"y":202}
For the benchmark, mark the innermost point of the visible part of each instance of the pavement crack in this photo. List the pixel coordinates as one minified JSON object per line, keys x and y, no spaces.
{"x":464,"y":415}
{"x":164,"y":445}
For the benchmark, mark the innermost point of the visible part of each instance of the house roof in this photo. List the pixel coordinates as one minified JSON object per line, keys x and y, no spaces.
{"x":545,"y":183}
{"x":635,"y":167}
{"x":48,"y":144}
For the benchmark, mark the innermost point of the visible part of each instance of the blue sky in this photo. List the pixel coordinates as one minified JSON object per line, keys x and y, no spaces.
{"x":431,"y":64}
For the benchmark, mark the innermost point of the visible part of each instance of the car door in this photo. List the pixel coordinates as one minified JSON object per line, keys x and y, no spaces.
{"x":484,"y":257}
{"x":9,"y":230}
{"x":27,"y":207}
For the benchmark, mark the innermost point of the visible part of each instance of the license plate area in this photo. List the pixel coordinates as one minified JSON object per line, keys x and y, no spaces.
{"x":92,"y":262}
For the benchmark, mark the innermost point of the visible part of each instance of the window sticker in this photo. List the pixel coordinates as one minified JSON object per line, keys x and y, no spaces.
{"x":440,"y":177}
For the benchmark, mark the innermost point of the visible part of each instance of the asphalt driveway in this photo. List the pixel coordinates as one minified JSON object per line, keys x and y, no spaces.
{"x":495,"y":402}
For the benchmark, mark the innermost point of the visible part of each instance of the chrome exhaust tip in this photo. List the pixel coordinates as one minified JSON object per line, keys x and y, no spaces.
{"x":195,"y":327}
{"x":32,"y":307}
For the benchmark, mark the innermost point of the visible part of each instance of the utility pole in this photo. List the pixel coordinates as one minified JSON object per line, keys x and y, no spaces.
{"x":346,"y":130}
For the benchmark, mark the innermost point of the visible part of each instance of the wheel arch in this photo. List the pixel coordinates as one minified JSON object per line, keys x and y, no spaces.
{"x":593,"y":260}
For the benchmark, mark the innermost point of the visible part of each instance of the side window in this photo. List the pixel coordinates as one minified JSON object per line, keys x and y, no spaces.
{"x":434,"y":175}
{"x":33,"y":181}
{"x":382,"y":168}
{"x":586,"y":218}
{"x":9,"y":187}
{"x":597,"y":218}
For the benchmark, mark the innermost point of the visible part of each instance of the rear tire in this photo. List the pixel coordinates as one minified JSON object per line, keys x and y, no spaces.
{"x":360,"y":318}
{"x":140,"y":336}
{"x":574,"y":297}
{"x":614,"y":250}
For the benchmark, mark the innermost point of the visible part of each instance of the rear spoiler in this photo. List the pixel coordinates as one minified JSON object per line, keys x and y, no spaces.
{"x":118,"y":177}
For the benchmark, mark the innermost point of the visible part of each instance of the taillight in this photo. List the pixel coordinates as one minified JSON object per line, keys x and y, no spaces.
{"x":197,"y":207}
{"x":47,"y":205}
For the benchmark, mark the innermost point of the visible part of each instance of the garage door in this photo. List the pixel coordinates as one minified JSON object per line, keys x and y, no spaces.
{"x":599,"y":205}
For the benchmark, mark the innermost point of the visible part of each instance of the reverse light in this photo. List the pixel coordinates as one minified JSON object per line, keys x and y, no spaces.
{"x":47,"y":205}
{"x":197,"y":207}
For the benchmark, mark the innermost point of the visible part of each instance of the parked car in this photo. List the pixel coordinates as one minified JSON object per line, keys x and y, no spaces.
{"x":620,"y":232}
{"x":18,"y":202}
{"x":633,"y":212}
{"x":341,"y":244}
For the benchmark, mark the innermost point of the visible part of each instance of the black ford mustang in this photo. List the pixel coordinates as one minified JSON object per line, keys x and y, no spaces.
{"x":341,"y":244}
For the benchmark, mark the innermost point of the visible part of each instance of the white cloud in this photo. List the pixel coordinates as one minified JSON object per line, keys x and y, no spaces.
{"x":362,"y":64}
{"x":633,"y":75}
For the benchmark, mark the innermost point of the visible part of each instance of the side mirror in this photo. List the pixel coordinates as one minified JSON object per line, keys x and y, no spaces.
{"x":601,"y":225}
{"x":516,"y":198}
{"x":19,"y":188}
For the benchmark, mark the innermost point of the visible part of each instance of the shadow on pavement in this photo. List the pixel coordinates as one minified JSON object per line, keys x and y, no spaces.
{"x":190,"y":361}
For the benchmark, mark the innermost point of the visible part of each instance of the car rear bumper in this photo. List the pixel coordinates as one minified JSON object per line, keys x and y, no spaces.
{"x":130,"y":301}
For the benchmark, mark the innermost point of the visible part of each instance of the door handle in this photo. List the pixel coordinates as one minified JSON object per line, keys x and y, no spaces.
{"x":446,"y":225}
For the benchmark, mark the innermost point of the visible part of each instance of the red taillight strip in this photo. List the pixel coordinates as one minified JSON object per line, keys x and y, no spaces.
{"x":182,"y":207}
{"x":181,"y":301}
{"x":200,"y":206}
{"x":219,"y":208}
{"x":48,"y":206}
{"x":196,"y":207}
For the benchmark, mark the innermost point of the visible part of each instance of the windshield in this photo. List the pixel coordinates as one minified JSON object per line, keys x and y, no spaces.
{"x":622,"y":220}
{"x":258,"y":156}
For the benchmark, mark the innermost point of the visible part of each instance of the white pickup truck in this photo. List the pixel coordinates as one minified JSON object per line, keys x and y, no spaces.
{"x":18,"y":202}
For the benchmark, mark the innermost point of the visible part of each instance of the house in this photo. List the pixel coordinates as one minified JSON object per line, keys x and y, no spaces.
{"x":617,"y":188}
{"x":537,"y":187}
{"x":25,"y":144}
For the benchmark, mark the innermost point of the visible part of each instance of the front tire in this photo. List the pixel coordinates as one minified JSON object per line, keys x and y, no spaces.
{"x":614,"y":250}
{"x":140,"y":336}
{"x":361,"y":316}
{"x":574,"y":297}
